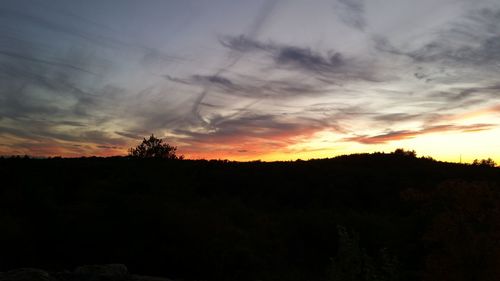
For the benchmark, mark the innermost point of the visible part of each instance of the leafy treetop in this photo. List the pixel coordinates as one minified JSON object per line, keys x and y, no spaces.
{"x":154,"y":148}
{"x":484,"y":162}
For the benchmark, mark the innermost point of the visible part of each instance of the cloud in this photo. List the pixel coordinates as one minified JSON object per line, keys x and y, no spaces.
{"x":409,"y":134}
{"x":470,"y":41}
{"x":285,"y":55}
{"x":453,"y":99}
{"x":243,"y":44}
{"x":263,"y":15}
{"x":130,"y":135}
{"x":28,"y":20}
{"x":397,"y":117}
{"x":254,"y":87}
{"x":48,"y":62}
{"x":60,"y":93}
{"x":214,"y":79}
{"x":72,"y":27}
{"x":71,"y":82}
{"x":306,"y":59}
{"x":48,"y":103}
{"x":43,"y":139}
{"x":351,"y":12}
{"x":332,"y":66}
{"x":480,"y":91}
{"x":248,"y":133}
{"x":265,"y":12}
{"x":108,"y":147}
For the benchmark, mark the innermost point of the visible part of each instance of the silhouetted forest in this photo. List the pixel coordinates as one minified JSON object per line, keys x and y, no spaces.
{"x":357,"y":217}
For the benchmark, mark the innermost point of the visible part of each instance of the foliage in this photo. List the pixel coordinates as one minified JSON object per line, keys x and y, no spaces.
{"x":352,"y":262}
{"x":405,"y":153}
{"x":484,"y":162}
{"x":154,"y":148}
{"x":226,"y":220}
{"x":464,"y":232}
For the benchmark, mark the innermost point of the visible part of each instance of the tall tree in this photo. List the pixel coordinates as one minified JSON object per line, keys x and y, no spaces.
{"x":154,"y":148}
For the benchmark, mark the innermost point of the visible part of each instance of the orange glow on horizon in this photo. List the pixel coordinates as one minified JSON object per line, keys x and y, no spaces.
{"x":449,"y":146}
{"x":446,"y":143}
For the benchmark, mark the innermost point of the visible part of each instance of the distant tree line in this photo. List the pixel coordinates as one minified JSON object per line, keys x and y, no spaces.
{"x":484,"y":162}
{"x":156,"y":148}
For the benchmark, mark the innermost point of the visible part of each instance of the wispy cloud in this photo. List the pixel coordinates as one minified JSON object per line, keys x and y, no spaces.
{"x":255,"y":27}
{"x":247,"y":134}
{"x":469,"y":41}
{"x":308,"y":60}
{"x":332,"y":65}
{"x":254,"y":87}
{"x":351,"y":12}
{"x":409,"y":134}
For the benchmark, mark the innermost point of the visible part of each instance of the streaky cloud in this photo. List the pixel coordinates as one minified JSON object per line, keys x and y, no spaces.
{"x":409,"y":134}
{"x":306,"y":59}
{"x":47,"y":62}
{"x":332,"y":67}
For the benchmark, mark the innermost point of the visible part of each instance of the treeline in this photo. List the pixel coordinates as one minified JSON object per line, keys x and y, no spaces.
{"x":356,"y":217}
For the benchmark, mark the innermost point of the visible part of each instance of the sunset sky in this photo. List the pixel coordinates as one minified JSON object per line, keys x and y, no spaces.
{"x":247,"y":80}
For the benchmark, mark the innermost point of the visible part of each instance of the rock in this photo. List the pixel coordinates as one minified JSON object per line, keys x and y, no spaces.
{"x":108,"y":272}
{"x":26,"y":274}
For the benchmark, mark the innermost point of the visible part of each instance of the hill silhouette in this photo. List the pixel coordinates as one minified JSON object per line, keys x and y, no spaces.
{"x":356,"y":217}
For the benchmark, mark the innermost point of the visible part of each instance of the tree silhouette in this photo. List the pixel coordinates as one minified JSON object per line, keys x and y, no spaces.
{"x":405,"y":153}
{"x":154,"y":148}
{"x":484,"y":162}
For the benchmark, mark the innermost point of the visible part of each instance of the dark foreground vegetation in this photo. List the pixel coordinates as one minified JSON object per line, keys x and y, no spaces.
{"x":358,"y":217}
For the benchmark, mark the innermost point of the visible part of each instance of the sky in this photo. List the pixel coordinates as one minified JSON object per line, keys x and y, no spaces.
{"x":248,"y":80}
